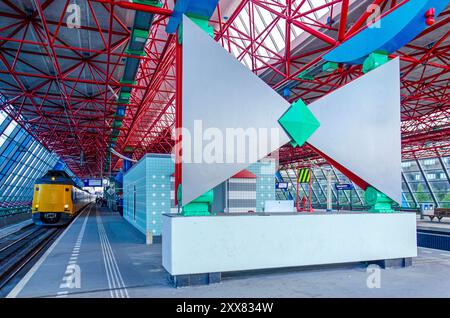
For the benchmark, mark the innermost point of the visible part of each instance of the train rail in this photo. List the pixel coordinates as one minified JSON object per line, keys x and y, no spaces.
{"x":19,"y":249}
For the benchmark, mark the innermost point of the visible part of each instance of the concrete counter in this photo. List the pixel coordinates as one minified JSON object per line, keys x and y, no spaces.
{"x":230,"y":242}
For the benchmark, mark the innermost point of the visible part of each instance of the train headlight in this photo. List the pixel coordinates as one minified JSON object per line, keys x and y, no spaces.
{"x":36,"y":206}
{"x":66,"y":206}
{"x":53,"y":178}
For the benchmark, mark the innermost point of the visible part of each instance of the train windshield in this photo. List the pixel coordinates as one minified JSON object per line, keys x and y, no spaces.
{"x":56,"y":173}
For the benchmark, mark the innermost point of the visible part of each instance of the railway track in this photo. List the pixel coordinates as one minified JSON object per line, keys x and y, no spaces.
{"x":19,"y":249}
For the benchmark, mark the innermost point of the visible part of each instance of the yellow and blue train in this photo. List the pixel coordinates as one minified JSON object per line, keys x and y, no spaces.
{"x":57,"y":199}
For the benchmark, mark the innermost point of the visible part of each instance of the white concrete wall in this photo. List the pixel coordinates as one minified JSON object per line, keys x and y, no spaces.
{"x":243,"y":242}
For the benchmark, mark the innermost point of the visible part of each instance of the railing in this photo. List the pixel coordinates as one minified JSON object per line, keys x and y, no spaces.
{"x":358,"y":207}
{"x":417,"y":210}
{"x":346,"y":207}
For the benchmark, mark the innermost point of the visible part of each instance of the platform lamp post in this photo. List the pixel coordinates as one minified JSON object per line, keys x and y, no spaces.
{"x":329,"y":177}
{"x":310,"y":193}
{"x":297,"y":196}
{"x":310,"y":188}
{"x":329,"y":191}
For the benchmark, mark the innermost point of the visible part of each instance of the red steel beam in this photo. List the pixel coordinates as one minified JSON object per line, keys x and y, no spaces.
{"x":137,"y":7}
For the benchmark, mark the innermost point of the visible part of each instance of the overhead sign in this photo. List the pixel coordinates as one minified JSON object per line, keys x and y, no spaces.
{"x":344,"y":186}
{"x":93,"y":182}
{"x":281,"y":185}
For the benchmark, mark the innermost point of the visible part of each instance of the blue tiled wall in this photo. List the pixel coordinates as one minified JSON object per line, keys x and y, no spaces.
{"x":265,"y":181}
{"x":151,"y":177}
{"x":135,"y":179}
{"x":159,"y":171}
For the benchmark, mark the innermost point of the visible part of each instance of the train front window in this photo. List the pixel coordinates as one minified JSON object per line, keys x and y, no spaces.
{"x":56,"y":174}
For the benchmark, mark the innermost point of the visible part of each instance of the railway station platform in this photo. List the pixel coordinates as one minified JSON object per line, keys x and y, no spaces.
{"x":433,"y":234}
{"x":427,"y":224}
{"x":7,"y":230}
{"x":101,"y":255}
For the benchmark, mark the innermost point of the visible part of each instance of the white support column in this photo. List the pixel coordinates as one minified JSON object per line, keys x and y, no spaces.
{"x":329,"y":192}
{"x":149,"y":237}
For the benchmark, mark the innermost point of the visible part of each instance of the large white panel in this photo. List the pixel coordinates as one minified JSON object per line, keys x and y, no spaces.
{"x":359,"y":123}
{"x":360,"y":128}
{"x":279,"y":206}
{"x":244,"y":242}
{"x":223,"y":93}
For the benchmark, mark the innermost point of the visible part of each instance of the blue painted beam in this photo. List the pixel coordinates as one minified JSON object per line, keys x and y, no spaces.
{"x":199,"y":9}
{"x":389,"y":34}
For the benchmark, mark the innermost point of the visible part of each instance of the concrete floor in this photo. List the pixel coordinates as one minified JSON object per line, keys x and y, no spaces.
{"x":11,"y":220}
{"x":14,"y":227}
{"x":115,"y":262}
{"x":426,"y":223}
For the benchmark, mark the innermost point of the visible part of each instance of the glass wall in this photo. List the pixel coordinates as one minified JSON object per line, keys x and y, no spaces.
{"x":318,"y":188}
{"x":22,"y":160}
{"x":428,"y":181}
{"x":423,"y":181}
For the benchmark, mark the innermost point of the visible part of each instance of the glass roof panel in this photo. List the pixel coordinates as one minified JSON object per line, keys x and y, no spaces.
{"x":272,"y":36}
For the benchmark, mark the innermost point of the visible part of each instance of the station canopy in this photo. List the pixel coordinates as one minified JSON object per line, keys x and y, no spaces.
{"x":62,"y":83}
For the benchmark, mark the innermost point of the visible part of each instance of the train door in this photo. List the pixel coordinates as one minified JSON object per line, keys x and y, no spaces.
{"x":126,"y":196}
{"x":74,"y":199}
{"x":67,"y":198}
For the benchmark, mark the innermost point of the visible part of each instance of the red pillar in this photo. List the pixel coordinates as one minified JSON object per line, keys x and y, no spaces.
{"x":310,"y":189}
{"x":178,"y":113}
